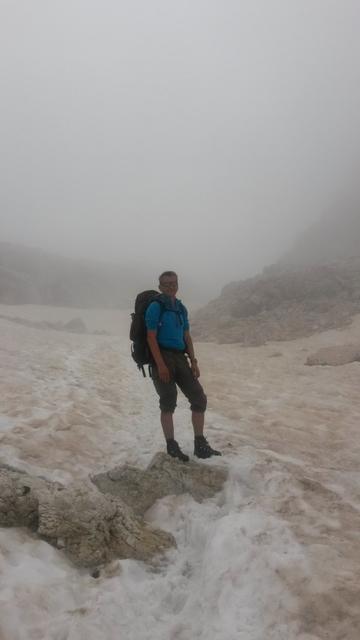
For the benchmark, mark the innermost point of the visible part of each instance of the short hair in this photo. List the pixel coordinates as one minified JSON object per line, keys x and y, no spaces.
{"x":167,"y":274}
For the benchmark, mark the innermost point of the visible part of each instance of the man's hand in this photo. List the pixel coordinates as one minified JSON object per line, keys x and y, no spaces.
{"x":164,"y":373}
{"x":195,"y":369}
{"x":190,"y":353}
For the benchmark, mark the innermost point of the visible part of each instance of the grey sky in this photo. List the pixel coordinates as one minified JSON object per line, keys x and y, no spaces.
{"x":211,"y":131}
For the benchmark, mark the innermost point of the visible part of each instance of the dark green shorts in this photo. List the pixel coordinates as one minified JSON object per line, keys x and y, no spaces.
{"x":182,"y":377}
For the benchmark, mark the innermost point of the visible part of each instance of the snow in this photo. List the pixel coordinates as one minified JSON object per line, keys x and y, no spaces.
{"x":275,"y":555}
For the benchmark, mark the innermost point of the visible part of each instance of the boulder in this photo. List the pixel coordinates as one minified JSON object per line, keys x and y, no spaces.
{"x":94,"y":529}
{"x":99,"y":519}
{"x":164,"y":476}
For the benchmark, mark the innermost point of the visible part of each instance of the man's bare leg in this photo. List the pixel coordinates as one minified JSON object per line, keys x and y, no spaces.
{"x":198,"y":419}
{"x":172,"y":446}
{"x":167,"y":424}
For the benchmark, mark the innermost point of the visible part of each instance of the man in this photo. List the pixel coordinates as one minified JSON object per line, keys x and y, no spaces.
{"x":169,"y":339}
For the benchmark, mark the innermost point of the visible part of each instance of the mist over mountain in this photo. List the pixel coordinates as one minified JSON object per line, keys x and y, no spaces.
{"x":334,"y":237}
{"x":33,"y":276}
{"x":315,"y":286}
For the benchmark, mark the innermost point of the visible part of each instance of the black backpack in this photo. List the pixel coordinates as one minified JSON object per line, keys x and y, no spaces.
{"x":140,"y":351}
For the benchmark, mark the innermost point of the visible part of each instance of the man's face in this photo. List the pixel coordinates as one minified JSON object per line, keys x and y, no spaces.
{"x":169,"y":285}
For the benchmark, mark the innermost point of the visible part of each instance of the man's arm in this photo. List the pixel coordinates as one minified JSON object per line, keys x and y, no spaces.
{"x":191,"y":353}
{"x":164,"y":373}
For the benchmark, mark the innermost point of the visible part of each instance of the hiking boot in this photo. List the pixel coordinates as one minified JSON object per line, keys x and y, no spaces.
{"x":174,"y":450}
{"x":202,"y":448}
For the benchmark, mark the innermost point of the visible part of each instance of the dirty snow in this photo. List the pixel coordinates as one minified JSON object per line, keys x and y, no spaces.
{"x":275,"y":555}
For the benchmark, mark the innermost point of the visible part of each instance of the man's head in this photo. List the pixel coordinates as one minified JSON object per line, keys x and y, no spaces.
{"x":168,"y":283}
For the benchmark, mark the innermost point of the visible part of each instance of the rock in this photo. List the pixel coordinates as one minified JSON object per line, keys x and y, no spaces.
{"x":282,"y":303}
{"x":164,"y":476}
{"x":88,"y":526}
{"x":94,"y":529}
{"x":100,"y":519}
{"x":19,"y":498}
{"x":335,"y":356}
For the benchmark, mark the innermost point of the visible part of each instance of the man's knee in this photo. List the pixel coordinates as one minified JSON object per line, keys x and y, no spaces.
{"x":167,"y":405}
{"x":168,"y":398}
{"x":167,"y":393}
{"x":199,"y":404}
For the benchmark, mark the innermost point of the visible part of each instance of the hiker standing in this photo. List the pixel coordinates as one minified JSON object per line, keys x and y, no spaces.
{"x":169,"y":339}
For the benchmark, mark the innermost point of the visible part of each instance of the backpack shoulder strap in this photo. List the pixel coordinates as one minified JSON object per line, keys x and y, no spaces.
{"x":162,"y":304}
{"x":182,"y":309}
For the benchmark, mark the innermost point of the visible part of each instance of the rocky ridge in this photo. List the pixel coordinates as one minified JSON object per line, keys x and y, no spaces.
{"x":283,"y":303}
{"x":314,"y":287}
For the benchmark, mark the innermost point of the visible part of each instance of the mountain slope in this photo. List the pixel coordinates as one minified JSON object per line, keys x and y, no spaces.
{"x":314,"y":287}
{"x":30,"y":275}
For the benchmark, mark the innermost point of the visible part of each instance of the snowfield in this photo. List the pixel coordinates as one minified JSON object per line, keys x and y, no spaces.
{"x":274,"y":556}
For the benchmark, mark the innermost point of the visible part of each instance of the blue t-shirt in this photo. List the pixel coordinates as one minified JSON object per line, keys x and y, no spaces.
{"x":172,"y":324}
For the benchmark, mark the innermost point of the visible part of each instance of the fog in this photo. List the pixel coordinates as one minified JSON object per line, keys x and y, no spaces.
{"x":189,"y":135}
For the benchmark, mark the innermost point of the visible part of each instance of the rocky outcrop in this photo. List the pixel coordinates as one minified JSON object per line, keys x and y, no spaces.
{"x":140,"y":489}
{"x":89,"y":527}
{"x":314,"y":287}
{"x":100,"y":519}
{"x":335,"y":356}
{"x":282,"y":303}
